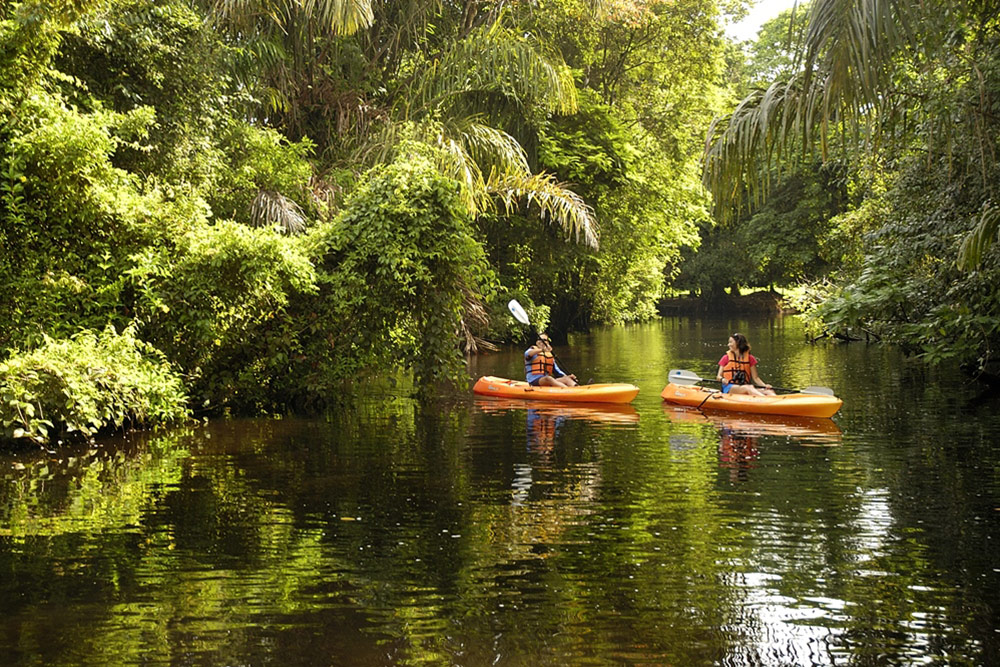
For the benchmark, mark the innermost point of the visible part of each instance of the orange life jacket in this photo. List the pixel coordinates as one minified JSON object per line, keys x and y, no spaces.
{"x":543,"y":363}
{"x":737,"y":369}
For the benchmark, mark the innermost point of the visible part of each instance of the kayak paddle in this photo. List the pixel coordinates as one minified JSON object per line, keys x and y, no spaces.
{"x":688,"y":378}
{"x":518,"y":313}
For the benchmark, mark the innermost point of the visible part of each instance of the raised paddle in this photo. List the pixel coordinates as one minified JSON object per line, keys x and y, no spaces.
{"x":521,"y":316}
{"x":688,"y":378}
{"x":515,"y":309}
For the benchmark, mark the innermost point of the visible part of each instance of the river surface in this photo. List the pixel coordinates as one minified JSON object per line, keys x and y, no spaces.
{"x":482,"y":532}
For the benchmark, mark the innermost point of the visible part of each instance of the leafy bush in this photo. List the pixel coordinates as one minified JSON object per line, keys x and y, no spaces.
{"x":903,"y":282}
{"x":65,"y":222}
{"x":398,"y":270}
{"x":258,"y":161}
{"x":206,"y":300}
{"x":87,"y":383}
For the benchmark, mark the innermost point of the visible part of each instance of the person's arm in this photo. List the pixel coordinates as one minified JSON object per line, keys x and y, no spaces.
{"x":532,"y":351}
{"x":756,"y":378}
{"x":560,"y":372}
{"x":722,"y":363}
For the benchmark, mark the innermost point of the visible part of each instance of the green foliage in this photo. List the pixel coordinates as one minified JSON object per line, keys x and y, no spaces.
{"x":133,"y":148}
{"x":772,"y":55}
{"x":159,"y":56}
{"x":204,"y":299}
{"x":66,"y":222}
{"x":87,"y":383}
{"x":648,"y":205}
{"x":255,"y":160}
{"x":30,"y":34}
{"x":398,"y":269}
{"x":790,"y":239}
{"x":905,"y":285}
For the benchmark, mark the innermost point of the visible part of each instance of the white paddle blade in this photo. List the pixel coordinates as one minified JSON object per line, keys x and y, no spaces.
{"x":826,"y":391}
{"x":678,"y":376}
{"x":515,"y":309}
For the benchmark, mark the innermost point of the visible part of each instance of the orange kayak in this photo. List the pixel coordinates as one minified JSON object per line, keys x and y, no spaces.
{"x":796,"y":405}
{"x":587,"y":393}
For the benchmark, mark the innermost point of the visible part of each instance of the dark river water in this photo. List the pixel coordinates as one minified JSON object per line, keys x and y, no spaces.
{"x":479,"y":532}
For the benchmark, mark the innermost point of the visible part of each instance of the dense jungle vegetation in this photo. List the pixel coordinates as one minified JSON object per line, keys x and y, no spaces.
{"x":248,"y":205}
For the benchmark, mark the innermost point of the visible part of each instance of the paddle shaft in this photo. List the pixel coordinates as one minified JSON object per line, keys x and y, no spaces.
{"x":751,"y":384}
{"x":688,"y":378}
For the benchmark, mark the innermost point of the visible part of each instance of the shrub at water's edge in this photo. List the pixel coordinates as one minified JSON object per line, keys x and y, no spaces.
{"x":85,"y":384}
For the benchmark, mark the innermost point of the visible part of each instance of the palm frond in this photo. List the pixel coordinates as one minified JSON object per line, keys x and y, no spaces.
{"x":553,"y":198}
{"x":849,"y":62}
{"x":282,"y":17}
{"x":340,"y":17}
{"x":740,"y":148}
{"x":474,"y":318}
{"x":494,"y":58}
{"x":466,"y":150}
{"x":850,"y":46}
{"x":269,"y":208}
{"x":981,"y":238}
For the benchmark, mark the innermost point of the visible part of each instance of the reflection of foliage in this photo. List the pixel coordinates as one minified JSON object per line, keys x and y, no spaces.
{"x":365,"y":535}
{"x":91,"y":490}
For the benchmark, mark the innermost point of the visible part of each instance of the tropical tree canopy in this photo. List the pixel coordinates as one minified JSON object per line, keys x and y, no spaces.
{"x":902,"y":95}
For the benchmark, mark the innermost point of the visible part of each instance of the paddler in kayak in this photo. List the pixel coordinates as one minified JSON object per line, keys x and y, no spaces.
{"x":738,"y":370}
{"x":540,"y":367}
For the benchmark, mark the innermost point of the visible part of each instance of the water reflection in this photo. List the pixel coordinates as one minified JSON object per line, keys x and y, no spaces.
{"x":482,"y":532}
{"x":806,"y":431}
{"x":543,"y":424}
{"x":740,"y":434}
{"x":607,"y":413}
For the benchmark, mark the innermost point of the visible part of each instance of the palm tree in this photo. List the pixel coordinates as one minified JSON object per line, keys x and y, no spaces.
{"x":285,"y":44}
{"x":454,"y":102}
{"x":859,"y":65}
{"x":405,"y":80}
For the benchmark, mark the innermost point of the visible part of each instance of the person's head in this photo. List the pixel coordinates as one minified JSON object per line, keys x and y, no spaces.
{"x":543,"y":341}
{"x":738,"y":343}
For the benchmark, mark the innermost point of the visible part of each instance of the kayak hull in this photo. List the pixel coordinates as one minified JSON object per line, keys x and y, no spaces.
{"x":588,"y":393}
{"x":794,"y":405}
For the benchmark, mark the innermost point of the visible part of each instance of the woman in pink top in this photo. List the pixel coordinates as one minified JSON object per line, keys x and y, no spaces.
{"x":738,"y":370}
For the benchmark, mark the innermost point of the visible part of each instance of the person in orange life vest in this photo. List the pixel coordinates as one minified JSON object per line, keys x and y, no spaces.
{"x":540,"y":367}
{"x":738,"y":370}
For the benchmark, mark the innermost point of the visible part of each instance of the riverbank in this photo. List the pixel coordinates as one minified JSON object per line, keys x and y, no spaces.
{"x":765,"y":302}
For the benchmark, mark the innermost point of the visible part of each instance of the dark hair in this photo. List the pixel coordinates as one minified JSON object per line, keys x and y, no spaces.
{"x":531,"y":338}
{"x":741,"y":343}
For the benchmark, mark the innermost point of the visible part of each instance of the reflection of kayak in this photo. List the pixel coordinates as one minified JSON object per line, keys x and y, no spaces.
{"x":801,"y":405}
{"x":587,"y":393}
{"x":751,"y":424}
{"x":619,"y":413}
